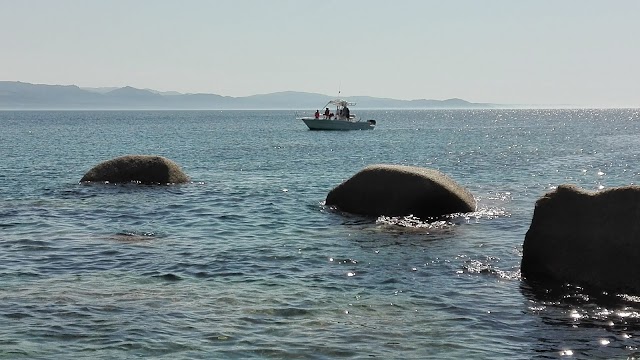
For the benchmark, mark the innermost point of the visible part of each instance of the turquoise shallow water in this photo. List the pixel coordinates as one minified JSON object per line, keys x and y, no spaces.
{"x":246,"y":262}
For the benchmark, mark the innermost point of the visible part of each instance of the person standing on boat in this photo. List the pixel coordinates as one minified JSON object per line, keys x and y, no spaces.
{"x":317,"y":114}
{"x":345,"y":112}
{"x":326,"y":113}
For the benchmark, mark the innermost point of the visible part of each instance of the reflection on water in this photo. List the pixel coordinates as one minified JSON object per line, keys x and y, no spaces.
{"x":584,"y":324}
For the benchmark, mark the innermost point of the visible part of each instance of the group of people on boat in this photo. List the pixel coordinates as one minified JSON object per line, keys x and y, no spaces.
{"x":343,"y":113}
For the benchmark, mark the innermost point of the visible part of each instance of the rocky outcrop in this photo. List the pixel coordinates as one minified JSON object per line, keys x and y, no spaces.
{"x":395,"y":190}
{"x":144,"y":169}
{"x":591,"y":239}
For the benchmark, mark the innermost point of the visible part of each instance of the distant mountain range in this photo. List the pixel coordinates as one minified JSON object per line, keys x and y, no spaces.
{"x":16,"y":95}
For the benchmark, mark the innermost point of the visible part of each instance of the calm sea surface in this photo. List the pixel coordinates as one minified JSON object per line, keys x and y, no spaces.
{"x":247,"y":262}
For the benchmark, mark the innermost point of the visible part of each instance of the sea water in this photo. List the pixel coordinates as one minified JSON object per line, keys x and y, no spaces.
{"x":246,"y":261}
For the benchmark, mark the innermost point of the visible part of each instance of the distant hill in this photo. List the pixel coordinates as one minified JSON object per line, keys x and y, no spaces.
{"x":16,"y":95}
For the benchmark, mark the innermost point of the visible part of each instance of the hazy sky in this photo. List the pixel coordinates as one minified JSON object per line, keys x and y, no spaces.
{"x":576,"y":52}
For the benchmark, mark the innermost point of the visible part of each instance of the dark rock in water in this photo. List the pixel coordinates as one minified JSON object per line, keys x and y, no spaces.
{"x":145,"y":169}
{"x":168,"y":277}
{"x":395,"y":190}
{"x":591,"y":239}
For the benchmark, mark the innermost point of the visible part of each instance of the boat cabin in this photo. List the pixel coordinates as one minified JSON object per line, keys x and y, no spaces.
{"x":342,"y":110}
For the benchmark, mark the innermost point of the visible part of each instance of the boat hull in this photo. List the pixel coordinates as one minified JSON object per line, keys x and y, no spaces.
{"x":324,"y":124}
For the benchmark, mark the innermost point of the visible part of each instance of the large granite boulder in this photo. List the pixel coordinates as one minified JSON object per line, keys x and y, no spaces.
{"x":145,"y":169}
{"x":591,"y":239}
{"x":395,"y":190}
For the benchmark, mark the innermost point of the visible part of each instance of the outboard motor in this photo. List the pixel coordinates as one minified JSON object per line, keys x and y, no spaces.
{"x":372,"y":122}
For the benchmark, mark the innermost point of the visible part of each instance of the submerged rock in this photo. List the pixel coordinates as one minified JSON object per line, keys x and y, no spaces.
{"x":395,"y":190}
{"x":145,"y":169}
{"x":591,"y":239}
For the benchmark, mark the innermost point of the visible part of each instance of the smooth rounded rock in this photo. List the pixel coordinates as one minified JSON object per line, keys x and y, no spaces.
{"x":590,"y":239}
{"x":144,"y":169}
{"x":396,"y":190}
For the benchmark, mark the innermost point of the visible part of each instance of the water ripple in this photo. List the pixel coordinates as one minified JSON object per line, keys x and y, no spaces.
{"x":247,"y":261}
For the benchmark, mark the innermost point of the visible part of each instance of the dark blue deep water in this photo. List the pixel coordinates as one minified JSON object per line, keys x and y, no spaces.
{"x":246,"y":261}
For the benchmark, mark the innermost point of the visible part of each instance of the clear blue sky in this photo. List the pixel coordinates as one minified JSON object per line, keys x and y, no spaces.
{"x":577,"y":52}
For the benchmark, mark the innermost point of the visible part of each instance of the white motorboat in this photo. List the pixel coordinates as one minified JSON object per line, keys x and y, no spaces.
{"x":342,"y":119}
